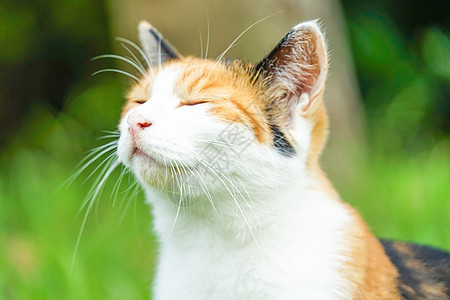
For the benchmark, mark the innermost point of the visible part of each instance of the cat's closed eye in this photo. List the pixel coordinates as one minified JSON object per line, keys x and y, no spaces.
{"x":192,"y":103}
{"x":182,"y":104}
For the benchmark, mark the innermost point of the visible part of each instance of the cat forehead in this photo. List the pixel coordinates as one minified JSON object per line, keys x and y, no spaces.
{"x":230,"y":89}
{"x":180,"y":80}
{"x":197,"y":75}
{"x":191,"y":80}
{"x":194,"y":79}
{"x":165,"y":82}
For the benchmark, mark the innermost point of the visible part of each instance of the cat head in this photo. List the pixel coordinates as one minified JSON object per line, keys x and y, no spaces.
{"x":194,"y":125}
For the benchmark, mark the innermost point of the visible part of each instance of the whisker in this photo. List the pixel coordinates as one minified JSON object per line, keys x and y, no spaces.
{"x":110,"y":136}
{"x":116,"y":71}
{"x":204,"y":187}
{"x":111,"y":132}
{"x":201,"y":44}
{"x":125,"y":59}
{"x":133,"y":56}
{"x":96,"y":168}
{"x":91,"y":203}
{"x":212,"y":168}
{"x":166,"y":169}
{"x":250,"y":199}
{"x":236,"y":189}
{"x":106,"y":162}
{"x":179,"y":203}
{"x":103,"y":149}
{"x":128,"y":190}
{"x":207,"y":41}
{"x":146,"y":58}
{"x":132,"y":198}
{"x":238,"y":37}
{"x":115,"y":190}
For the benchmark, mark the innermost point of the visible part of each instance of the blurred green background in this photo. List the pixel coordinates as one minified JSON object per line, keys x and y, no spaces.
{"x":388,"y":97}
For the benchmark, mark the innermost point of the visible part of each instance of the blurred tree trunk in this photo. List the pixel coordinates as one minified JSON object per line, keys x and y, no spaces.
{"x":180,"y":22}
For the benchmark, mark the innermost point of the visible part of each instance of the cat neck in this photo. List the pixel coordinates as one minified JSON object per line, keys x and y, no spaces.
{"x":246,"y":209}
{"x":250,"y":238}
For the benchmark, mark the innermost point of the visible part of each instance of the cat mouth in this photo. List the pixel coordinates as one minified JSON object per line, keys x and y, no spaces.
{"x":180,"y":168}
{"x":138,"y":153}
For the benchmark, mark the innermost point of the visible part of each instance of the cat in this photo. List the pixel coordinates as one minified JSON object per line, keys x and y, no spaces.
{"x":227,"y":153}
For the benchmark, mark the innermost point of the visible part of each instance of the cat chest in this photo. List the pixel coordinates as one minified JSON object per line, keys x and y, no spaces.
{"x":219,"y":272}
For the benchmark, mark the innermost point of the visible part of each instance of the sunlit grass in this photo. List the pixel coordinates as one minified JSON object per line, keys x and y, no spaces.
{"x":39,"y":219}
{"x":405,"y":196}
{"x":39,"y":228}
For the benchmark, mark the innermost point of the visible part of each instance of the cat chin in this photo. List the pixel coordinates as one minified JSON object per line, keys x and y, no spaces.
{"x":147,"y":169}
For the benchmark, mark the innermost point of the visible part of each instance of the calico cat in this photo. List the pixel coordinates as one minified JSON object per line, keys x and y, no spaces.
{"x":228,"y":155}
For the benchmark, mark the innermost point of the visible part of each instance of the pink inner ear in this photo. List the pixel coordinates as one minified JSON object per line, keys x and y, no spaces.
{"x":297,"y":68}
{"x":296,"y":64}
{"x":302,"y":54}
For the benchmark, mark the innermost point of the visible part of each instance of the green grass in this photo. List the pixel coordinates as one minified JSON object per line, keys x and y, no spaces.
{"x":39,"y":228}
{"x":405,"y":196}
{"x":401,"y":196}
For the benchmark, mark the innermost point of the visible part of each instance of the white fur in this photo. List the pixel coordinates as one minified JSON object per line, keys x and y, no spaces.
{"x":270,"y":233}
{"x":299,"y":250}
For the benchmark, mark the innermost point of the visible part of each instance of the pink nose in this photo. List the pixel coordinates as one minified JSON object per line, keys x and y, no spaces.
{"x":136,"y":122}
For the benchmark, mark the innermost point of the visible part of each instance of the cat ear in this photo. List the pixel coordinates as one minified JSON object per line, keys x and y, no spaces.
{"x":156,"y":48}
{"x":296,"y":69}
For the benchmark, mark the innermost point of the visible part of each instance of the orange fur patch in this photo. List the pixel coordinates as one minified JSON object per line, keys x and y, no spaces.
{"x":228,"y":89}
{"x":319,"y":134}
{"x":369,"y":268}
{"x":138,"y":94}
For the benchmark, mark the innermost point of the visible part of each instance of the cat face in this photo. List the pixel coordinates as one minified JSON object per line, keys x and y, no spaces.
{"x":195,"y":126}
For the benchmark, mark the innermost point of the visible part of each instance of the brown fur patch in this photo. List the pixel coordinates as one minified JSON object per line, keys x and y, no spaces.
{"x":424,"y":271}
